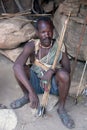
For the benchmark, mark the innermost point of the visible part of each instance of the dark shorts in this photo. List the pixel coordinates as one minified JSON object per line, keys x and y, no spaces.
{"x":35,"y":82}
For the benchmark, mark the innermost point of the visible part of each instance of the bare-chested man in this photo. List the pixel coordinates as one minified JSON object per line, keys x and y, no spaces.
{"x":33,"y":80}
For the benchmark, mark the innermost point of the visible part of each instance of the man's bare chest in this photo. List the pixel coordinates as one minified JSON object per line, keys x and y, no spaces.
{"x":42,"y":52}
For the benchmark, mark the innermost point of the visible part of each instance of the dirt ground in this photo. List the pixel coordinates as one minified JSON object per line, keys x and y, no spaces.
{"x":9,"y":91}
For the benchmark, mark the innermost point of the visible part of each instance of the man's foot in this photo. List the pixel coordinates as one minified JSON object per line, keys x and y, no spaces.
{"x":20,"y":102}
{"x":2,"y":106}
{"x":66,"y":119}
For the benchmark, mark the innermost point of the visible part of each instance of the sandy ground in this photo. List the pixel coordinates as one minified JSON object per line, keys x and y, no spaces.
{"x":9,"y":91}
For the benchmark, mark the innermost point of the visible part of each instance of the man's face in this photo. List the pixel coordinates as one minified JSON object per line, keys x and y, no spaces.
{"x":45,"y":33}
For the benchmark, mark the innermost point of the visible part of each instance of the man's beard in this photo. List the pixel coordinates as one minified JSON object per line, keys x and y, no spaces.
{"x":46,"y":41}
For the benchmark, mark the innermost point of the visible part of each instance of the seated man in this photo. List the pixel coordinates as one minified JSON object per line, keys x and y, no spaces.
{"x":31,"y":79}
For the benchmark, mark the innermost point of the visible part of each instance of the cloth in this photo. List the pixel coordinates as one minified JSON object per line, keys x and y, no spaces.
{"x":48,"y":59}
{"x":35,"y":82}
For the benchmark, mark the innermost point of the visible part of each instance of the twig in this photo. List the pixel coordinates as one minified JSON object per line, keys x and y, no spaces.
{"x":7,"y":15}
{"x":2,"y":4}
{"x":79,"y":87}
{"x":19,"y":5}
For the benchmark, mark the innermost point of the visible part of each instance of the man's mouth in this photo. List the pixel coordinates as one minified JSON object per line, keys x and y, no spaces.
{"x":47,"y":39}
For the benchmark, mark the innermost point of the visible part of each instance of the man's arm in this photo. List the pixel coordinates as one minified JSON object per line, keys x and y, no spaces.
{"x":20,"y":63}
{"x":21,"y":75}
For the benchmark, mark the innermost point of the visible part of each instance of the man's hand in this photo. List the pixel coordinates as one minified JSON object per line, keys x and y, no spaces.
{"x":46,"y":78}
{"x":34,"y":100}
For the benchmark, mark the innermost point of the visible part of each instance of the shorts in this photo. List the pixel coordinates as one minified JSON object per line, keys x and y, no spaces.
{"x":35,"y":82}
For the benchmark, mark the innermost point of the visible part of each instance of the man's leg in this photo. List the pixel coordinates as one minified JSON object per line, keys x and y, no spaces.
{"x":25,"y":99}
{"x":63,"y":82}
{"x":35,"y":81}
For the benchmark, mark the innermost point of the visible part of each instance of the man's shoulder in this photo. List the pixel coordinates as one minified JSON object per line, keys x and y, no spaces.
{"x":29,"y":47}
{"x":32,"y":44}
{"x":33,"y":41}
{"x":36,"y":43}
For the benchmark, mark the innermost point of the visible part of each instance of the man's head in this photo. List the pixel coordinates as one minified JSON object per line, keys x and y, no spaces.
{"x":45,"y":30}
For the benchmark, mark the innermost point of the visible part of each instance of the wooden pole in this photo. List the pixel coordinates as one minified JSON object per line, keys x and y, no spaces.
{"x":3,"y":7}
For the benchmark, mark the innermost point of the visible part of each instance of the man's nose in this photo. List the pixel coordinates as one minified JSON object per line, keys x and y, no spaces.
{"x":47,"y":34}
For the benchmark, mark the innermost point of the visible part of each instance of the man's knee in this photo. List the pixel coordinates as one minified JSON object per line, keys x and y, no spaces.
{"x":63,"y":75}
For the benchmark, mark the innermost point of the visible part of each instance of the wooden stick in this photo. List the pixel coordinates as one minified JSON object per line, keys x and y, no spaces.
{"x":60,"y":43}
{"x":8,"y":15}
{"x":19,"y":5}
{"x":80,"y":84}
{"x":3,"y":7}
{"x":44,"y":67}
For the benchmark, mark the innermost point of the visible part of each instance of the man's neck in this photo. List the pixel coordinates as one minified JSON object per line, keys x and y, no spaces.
{"x":47,"y":47}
